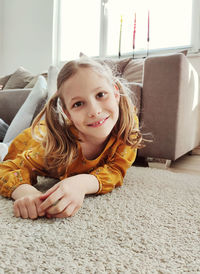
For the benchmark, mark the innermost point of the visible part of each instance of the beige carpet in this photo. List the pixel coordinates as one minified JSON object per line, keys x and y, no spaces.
{"x":150,"y":225}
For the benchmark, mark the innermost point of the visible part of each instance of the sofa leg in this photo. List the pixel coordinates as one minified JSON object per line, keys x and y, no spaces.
{"x":158,"y":163}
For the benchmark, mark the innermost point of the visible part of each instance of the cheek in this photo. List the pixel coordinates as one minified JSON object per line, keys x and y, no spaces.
{"x":76,"y":119}
{"x":117,"y":112}
{"x":116,"y":105}
{"x":114,"y":108}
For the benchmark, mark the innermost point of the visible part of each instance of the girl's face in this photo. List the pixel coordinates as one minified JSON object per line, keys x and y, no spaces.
{"x":92,"y":104}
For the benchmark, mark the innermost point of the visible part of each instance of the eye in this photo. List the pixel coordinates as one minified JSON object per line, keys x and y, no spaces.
{"x":101,"y":94}
{"x":77,"y":104}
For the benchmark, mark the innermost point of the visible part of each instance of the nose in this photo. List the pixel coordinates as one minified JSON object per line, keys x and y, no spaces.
{"x":94,"y":109}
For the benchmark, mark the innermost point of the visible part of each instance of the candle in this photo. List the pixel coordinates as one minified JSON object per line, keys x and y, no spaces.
{"x":134,"y":33}
{"x":148,"y":33}
{"x":148,"y":28}
{"x":120,"y":36}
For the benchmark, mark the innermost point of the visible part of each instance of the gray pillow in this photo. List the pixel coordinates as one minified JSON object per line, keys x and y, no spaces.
{"x":4,"y":80}
{"x":25,"y":114}
{"x":19,"y":79}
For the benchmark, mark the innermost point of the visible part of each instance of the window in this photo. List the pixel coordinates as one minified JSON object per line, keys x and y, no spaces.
{"x":79,"y":28}
{"x":93,"y":26}
{"x":169,"y":24}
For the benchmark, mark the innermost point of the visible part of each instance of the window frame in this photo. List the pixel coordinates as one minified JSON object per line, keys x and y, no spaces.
{"x":193,"y":49}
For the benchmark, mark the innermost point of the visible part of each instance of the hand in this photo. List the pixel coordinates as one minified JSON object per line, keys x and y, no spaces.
{"x":64,"y":199}
{"x":28,"y":206}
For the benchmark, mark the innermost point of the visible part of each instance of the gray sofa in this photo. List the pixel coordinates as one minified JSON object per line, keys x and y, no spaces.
{"x":168,"y":102}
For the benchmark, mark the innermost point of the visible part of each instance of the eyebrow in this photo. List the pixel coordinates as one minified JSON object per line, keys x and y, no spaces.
{"x":79,"y":97}
{"x":75,"y":98}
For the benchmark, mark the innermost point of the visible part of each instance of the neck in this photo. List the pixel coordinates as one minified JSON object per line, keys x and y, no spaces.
{"x":92,"y":141}
{"x":91,"y":148}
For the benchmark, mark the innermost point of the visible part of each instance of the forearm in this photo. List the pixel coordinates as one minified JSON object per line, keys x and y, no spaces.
{"x":24,"y":190}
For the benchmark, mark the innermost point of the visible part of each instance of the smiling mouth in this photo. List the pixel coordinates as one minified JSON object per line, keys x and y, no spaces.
{"x":99,"y":123}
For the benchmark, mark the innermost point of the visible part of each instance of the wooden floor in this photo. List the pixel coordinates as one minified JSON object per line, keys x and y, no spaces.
{"x":189,"y":164}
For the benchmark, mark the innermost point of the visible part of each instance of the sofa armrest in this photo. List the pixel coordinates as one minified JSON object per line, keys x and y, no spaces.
{"x":11,"y":101}
{"x":170,"y":106}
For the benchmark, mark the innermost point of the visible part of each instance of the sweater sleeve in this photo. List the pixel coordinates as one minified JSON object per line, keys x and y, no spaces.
{"x":22,"y":170}
{"x":111,"y":174}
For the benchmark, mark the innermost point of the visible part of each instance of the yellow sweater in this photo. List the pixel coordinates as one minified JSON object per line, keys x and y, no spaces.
{"x":25,"y":161}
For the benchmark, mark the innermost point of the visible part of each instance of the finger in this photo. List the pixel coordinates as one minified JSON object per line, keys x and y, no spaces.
{"x":32,"y":211}
{"x":75,"y":211}
{"x":37,"y":204}
{"x":49,"y":192}
{"x":66,"y":213}
{"x":59,"y":206}
{"x":49,"y":216}
{"x":51,"y":200}
{"x":16,"y":210}
{"x":23,"y":212}
{"x":71,"y":211}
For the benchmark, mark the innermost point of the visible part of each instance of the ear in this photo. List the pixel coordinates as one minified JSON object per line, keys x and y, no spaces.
{"x":116,"y":93}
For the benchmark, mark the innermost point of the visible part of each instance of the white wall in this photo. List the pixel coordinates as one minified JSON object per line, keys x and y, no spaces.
{"x":26,"y":35}
{"x":1,"y":35}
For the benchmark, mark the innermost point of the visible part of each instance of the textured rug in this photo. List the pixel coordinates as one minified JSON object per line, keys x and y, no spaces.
{"x":150,"y":225}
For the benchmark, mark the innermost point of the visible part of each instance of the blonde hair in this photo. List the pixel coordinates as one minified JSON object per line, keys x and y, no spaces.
{"x":59,"y":142}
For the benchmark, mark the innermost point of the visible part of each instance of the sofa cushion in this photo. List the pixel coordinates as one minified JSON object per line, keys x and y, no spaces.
{"x":8,"y":109}
{"x":19,"y":79}
{"x":25,"y":114}
{"x":133,"y":72}
{"x":4,"y":80}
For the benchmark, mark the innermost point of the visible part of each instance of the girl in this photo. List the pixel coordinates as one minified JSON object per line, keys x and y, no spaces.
{"x":88,"y":140}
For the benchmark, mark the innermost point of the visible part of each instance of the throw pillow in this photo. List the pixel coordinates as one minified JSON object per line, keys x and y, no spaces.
{"x":133,"y":72}
{"x":19,"y":79}
{"x":117,"y":65}
{"x":52,"y":80}
{"x":3,"y":129}
{"x":31,"y":84}
{"x":25,"y":114}
{"x":4,"y":80}
{"x":39,"y":108}
{"x":3,"y":151}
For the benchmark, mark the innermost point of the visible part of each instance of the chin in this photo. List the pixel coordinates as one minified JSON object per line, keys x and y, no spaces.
{"x":103,"y":135}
